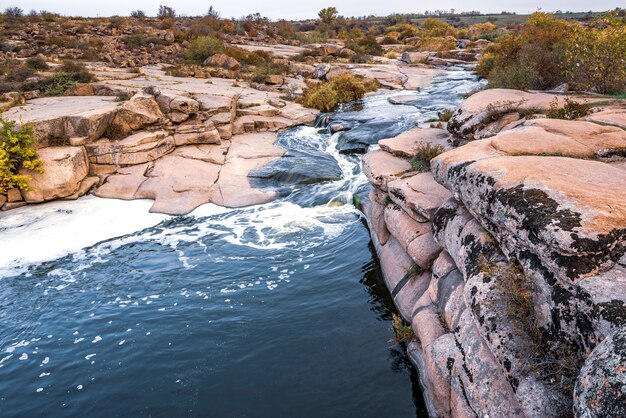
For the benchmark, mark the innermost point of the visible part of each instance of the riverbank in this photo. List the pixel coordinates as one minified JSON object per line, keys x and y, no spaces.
{"x":179,"y":141}
{"x":507,"y":256}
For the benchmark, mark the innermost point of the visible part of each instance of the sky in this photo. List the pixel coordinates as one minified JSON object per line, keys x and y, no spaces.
{"x":299,"y":9}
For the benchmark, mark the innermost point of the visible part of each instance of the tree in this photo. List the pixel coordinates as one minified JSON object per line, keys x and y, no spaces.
{"x":166,"y":12}
{"x":139,"y":14}
{"x":14,"y":12}
{"x":212,"y":12}
{"x":328,"y":14}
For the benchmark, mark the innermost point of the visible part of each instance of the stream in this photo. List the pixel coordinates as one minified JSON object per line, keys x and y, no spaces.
{"x":271,"y":310}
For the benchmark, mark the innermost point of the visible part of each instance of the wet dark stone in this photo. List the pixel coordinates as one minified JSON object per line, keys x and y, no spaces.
{"x":297,"y":168}
{"x":358,"y":139}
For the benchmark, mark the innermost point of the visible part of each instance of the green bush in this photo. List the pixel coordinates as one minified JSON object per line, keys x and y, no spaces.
{"x":16,"y":152}
{"x":203,"y":47}
{"x":66,"y":76}
{"x":342,"y":89}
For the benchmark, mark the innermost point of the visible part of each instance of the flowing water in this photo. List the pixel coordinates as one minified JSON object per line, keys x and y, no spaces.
{"x":272,"y":310}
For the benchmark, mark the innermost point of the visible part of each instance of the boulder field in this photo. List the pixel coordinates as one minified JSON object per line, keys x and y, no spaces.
{"x":508,"y":258}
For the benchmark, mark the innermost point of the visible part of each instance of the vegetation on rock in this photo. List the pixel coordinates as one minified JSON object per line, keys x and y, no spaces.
{"x":342,"y":89}
{"x":16,"y":152}
{"x":425,"y":152}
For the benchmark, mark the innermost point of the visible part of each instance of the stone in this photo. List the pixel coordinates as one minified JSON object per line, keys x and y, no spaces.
{"x":358,"y":139}
{"x":374,"y":213}
{"x":420,"y":194}
{"x":424,"y":250}
{"x":562,"y":137}
{"x":64,"y":168}
{"x":222,"y":61}
{"x":14,"y":195}
{"x":600,"y":389}
{"x":479,"y":109}
{"x":3,"y":200}
{"x":176,"y":106}
{"x":320,"y":71}
{"x":414,"y":57}
{"x":274,"y":79}
{"x":381,"y":168}
{"x":140,"y":111}
{"x":125,"y":183}
{"x":178,"y":185}
{"x":196,"y":133}
{"x":407,"y":295}
{"x":609,"y":116}
{"x":247,"y":153}
{"x":404,"y":228}
{"x":297,"y":168}
{"x":66,"y":117}
{"x":480,"y":376}
{"x":405,"y":144}
{"x":551,"y":206}
{"x":136,"y":149}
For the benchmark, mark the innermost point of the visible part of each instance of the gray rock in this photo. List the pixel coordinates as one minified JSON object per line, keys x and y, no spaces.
{"x":320,"y":71}
{"x":601,"y":386}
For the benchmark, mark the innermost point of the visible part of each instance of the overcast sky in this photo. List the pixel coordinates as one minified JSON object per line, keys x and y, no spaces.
{"x":299,"y":9}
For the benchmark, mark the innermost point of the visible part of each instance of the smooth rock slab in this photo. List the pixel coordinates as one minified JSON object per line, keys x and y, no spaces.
{"x":66,"y":117}
{"x":380,"y":167}
{"x":405,"y":144}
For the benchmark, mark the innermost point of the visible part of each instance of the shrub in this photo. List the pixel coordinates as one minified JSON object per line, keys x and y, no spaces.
{"x":269,"y":68}
{"x":446,"y":115}
{"x":571,"y":110}
{"x":66,"y":76}
{"x":367,"y":45}
{"x":138,"y":14}
{"x":425,"y":152}
{"x":37,"y":64}
{"x":13,"y":12}
{"x":596,"y":57}
{"x":203,"y":47}
{"x":437,"y":43}
{"x":166,"y":12}
{"x":343,"y":89}
{"x":16,"y":152}
{"x":438,"y":28}
{"x":404,"y":30}
{"x":403,"y":332}
{"x":534,"y":58}
{"x":16,"y":71}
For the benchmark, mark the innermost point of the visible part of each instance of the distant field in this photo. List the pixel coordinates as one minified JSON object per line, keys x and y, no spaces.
{"x":500,"y":19}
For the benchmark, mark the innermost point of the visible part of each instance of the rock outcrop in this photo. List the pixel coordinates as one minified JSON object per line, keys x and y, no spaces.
{"x":182,"y":144}
{"x":508,"y":260}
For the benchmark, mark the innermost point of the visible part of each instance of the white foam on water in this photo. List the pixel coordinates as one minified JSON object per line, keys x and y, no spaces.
{"x":38,"y":233}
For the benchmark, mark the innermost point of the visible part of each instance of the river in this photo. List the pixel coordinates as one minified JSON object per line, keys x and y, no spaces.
{"x":272,"y":310}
